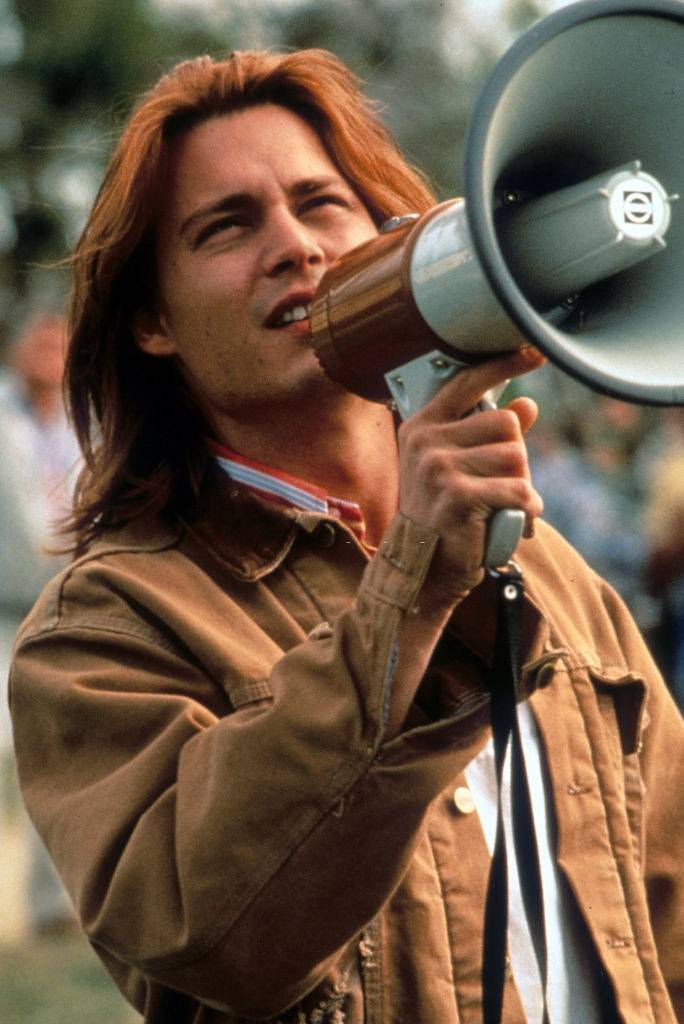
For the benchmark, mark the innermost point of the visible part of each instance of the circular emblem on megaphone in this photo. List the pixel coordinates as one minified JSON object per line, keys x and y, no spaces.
{"x":639,"y":207}
{"x":635,"y":206}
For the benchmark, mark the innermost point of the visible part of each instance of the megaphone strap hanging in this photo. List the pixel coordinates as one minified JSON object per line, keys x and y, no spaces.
{"x":505,"y":732}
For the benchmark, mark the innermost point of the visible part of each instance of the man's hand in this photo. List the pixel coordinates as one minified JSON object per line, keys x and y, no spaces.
{"x":456,"y":469}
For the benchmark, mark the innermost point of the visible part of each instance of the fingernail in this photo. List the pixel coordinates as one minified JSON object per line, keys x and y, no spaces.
{"x":531,"y":354}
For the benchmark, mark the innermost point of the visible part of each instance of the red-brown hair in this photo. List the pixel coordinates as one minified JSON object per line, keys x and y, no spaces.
{"x":139,"y":429}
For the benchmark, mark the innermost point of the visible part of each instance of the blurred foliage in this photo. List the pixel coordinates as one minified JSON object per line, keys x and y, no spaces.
{"x":58,"y":980}
{"x":70,"y":73}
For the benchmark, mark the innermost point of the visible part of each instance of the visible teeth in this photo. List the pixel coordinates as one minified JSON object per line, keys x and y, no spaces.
{"x":295,"y":315}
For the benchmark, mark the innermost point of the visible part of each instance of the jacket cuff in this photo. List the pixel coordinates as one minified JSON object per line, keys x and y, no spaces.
{"x":396,"y":575}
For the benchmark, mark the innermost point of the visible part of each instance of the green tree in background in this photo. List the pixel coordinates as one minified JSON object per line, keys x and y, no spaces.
{"x":79,"y":70}
{"x":424,"y":61}
{"x":70,"y":72}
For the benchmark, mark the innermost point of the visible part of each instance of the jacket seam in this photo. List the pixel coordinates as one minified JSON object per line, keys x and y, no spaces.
{"x":95,"y":554}
{"x":449,"y":928}
{"x":287,"y":569}
{"x":605,"y":672}
{"x":266,"y":567}
{"x":371,"y":971}
{"x":99,"y":625}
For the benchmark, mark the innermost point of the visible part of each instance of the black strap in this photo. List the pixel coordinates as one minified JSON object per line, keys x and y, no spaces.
{"x":505,"y":730}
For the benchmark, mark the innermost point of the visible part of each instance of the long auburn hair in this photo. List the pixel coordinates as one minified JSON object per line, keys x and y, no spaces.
{"x":140,"y":431}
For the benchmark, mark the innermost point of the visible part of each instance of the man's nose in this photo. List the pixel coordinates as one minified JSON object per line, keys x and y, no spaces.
{"x":290,"y":245}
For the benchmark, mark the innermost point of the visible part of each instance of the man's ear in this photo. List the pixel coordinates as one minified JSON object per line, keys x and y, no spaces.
{"x":151,"y":334}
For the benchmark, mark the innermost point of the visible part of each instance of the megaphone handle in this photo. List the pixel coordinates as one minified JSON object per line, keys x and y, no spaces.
{"x":412,"y":386}
{"x":506,"y":526}
{"x":504,"y":530}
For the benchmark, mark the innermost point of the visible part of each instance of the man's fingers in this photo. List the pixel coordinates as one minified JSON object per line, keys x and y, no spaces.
{"x":456,"y":469}
{"x":488,"y":427}
{"x":497,"y":460}
{"x":527,"y":411}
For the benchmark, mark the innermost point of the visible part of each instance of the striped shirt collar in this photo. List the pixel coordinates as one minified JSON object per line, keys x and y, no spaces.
{"x":283,"y":489}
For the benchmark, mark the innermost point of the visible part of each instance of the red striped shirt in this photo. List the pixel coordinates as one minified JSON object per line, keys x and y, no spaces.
{"x":284,"y":489}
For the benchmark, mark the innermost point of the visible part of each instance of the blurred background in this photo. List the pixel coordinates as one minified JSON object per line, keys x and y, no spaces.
{"x":611,"y":474}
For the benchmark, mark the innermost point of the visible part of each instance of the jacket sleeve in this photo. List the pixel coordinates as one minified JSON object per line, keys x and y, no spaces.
{"x":228,"y":856}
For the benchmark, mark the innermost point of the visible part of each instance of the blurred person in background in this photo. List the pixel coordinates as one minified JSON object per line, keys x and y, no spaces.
{"x":38,"y":458}
{"x":252,"y":716}
{"x":589,"y":457}
{"x":664,"y":569}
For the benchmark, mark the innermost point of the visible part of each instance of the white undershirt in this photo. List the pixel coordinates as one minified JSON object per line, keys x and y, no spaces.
{"x":571,"y":986}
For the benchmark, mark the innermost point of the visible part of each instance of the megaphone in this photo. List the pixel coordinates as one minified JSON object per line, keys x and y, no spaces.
{"x":568,"y":236}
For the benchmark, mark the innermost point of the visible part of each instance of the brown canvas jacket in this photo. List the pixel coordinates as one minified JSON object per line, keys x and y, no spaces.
{"x":198,"y":715}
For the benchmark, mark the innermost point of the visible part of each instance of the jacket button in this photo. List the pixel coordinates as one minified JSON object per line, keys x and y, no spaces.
{"x":324,"y":535}
{"x":464,"y":800}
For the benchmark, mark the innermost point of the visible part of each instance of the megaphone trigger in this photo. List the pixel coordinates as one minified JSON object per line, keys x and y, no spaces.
{"x":415,"y":383}
{"x":506,"y":526}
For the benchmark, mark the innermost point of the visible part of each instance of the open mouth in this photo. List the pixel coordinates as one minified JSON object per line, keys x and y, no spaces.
{"x":292,"y":309}
{"x":293,"y":316}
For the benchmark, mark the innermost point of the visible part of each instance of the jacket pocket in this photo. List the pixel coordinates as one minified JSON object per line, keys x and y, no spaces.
{"x":622,"y":700}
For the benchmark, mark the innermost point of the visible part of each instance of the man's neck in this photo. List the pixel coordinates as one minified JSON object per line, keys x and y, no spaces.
{"x":349,"y":452}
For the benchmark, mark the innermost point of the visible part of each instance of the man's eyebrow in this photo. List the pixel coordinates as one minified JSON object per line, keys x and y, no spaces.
{"x":226,"y":204}
{"x":240,"y":200}
{"x":309,"y":185}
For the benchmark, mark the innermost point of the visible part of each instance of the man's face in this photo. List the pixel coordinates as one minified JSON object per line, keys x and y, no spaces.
{"x":253,"y":214}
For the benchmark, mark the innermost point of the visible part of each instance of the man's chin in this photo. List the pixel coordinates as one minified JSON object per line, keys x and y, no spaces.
{"x":312,"y":384}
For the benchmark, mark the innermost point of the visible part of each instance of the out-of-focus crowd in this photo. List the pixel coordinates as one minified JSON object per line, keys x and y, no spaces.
{"x":38,"y":464}
{"x":612,"y":478}
{"x":611,"y":475}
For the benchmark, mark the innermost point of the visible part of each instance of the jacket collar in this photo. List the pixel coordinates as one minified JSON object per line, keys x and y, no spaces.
{"x":249,"y":535}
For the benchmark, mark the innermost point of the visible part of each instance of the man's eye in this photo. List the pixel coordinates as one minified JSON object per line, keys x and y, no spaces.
{"x":217,"y":226}
{"x":327,"y":199}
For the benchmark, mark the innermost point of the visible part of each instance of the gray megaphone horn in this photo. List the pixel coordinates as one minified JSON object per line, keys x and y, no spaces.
{"x":567,"y":236}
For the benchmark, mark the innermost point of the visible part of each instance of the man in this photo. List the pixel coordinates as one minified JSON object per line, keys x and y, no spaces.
{"x":267,"y":670}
